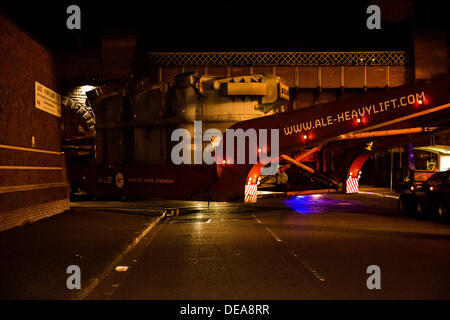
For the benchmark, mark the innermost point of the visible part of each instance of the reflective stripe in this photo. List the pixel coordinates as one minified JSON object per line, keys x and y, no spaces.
{"x":352,"y":185}
{"x":251,"y":192}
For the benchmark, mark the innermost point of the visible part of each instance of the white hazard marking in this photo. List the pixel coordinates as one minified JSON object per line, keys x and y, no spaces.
{"x":352,"y":185}
{"x":251,"y":193}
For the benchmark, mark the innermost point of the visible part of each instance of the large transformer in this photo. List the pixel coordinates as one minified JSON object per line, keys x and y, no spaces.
{"x":134,"y":121}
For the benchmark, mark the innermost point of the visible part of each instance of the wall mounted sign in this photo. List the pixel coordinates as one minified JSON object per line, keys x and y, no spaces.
{"x":47,"y":100}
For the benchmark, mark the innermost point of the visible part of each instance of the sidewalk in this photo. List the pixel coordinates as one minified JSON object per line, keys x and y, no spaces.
{"x":35,"y":257}
{"x":379,"y":191}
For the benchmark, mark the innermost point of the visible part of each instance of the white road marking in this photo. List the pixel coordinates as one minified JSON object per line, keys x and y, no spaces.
{"x":259,"y":221}
{"x":273,"y":235}
{"x":304,"y":263}
{"x":307,"y":266}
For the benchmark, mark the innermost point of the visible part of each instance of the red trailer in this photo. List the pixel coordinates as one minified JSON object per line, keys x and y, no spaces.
{"x":399,"y":110}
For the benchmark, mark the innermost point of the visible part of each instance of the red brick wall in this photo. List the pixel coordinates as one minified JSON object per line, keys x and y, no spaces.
{"x":27,"y":194}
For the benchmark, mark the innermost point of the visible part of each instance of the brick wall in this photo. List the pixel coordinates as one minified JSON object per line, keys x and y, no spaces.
{"x":33,"y":182}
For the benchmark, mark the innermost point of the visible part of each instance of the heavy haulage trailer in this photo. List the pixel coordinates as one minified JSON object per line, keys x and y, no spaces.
{"x":341,"y":134}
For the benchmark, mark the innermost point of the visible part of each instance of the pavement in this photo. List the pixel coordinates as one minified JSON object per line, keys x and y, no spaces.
{"x":303,"y":247}
{"x":35,"y":257}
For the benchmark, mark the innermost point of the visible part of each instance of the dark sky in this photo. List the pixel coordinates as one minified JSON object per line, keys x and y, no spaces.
{"x":231,"y":25}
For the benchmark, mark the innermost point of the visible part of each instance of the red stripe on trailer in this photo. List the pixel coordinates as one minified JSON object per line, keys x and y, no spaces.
{"x":352,"y":185}
{"x":250,"y":193}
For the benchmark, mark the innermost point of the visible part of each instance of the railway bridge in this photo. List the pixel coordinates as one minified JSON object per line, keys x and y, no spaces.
{"x":314,"y":77}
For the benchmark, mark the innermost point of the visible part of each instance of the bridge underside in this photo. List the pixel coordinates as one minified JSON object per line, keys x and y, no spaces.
{"x":314,"y":77}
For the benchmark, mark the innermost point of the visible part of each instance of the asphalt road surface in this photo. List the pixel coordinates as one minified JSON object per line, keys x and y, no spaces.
{"x":307,"y":247}
{"x":319,"y":248}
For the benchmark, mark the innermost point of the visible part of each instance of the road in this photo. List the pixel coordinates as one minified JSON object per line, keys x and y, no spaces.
{"x":319,"y":249}
{"x":307,"y":247}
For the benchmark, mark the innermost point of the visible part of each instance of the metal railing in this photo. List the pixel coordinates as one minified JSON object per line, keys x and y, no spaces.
{"x":353,"y":58}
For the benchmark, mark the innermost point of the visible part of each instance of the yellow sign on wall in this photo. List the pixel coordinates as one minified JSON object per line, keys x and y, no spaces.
{"x":47,"y":100}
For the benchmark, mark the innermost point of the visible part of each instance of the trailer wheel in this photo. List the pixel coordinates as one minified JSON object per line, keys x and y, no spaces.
{"x":83,"y":113}
{"x":402,"y":205}
{"x":422,"y":208}
{"x":443,"y":211}
{"x":407,"y":204}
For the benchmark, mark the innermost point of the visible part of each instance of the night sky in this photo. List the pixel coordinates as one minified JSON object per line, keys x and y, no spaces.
{"x":230,"y":25}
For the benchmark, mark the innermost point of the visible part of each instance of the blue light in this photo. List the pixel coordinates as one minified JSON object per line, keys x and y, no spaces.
{"x":311,"y":204}
{"x":302,"y":204}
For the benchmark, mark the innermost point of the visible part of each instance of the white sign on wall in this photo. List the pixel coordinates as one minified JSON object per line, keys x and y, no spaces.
{"x":47,"y":100}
